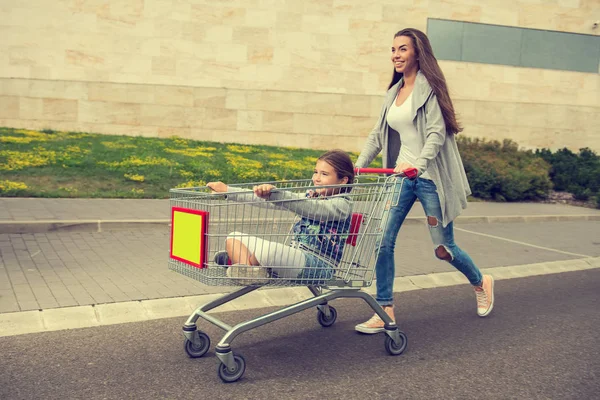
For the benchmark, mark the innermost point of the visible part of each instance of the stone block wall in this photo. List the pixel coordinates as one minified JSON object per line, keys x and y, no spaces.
{"x":308,"y":73}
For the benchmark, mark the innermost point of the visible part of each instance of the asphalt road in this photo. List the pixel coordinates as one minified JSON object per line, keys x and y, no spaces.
{"x":541,"y":342}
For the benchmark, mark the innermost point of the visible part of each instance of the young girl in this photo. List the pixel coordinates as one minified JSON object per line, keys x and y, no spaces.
{"x":318,"y":237}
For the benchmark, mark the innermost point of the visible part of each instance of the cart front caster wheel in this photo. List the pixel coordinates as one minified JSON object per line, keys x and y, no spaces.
{"x":229,"y":376}
{"x":327,"y":322}
{"x":393,"y":348}
{"x":199,"y":347}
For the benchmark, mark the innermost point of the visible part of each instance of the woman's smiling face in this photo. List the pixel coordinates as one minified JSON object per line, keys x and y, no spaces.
{"x":404,"y":56}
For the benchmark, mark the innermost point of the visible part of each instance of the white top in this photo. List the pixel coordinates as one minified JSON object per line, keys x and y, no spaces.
{"x":400,"y":119}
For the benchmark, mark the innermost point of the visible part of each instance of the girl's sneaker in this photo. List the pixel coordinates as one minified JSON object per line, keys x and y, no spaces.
{"x":248,"y":274}
{"x":375,"y":324}
{"x":222,"y":258}
{"x":485,"y":296}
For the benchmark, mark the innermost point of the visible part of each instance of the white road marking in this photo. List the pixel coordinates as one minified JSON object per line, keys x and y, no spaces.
{"x":521,"y":243}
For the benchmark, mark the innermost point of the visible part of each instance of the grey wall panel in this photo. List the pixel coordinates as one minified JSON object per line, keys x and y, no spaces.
{"x":557,"y":50}
{"x":491,"y":44}
{"x":446,"y":38}
{"x":505,"y":45}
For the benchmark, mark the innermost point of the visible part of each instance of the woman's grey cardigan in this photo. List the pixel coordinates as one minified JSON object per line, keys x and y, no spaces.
{"x":439,"y":157}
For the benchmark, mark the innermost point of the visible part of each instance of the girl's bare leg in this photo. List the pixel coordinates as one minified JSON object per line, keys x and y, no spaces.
{"x":239,"y":253}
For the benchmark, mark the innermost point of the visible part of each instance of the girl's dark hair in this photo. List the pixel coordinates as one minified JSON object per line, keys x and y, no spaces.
{"x":432,"y":71}
{"x":341,"y":163}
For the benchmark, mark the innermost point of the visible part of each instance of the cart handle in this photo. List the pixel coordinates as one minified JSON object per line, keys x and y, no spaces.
{"x":410,"y":173}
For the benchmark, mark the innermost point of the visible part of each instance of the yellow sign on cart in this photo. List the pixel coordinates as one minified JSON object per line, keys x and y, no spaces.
{"x":188,"y":236}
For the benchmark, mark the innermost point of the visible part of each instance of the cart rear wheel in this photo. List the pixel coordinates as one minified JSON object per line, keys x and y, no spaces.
{"x":229,"y":376}
{"x":327,"y":322}
{"x":393,"y":348}
{"x":198,"y":347}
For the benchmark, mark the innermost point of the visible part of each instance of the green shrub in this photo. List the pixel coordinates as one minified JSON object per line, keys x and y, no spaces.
{"x":502,"y":172}
{"x":574,"y":173}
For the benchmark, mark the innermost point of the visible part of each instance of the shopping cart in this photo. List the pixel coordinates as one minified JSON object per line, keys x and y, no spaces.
{"x":202,"y":220}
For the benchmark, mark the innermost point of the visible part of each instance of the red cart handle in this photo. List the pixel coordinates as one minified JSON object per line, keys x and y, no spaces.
{"x":410,"y":173}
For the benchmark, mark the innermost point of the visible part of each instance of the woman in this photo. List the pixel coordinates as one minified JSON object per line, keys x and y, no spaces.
{"x":416,"y":130}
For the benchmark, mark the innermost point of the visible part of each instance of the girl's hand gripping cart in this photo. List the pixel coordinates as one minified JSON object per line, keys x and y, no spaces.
{"x":334,"y":258}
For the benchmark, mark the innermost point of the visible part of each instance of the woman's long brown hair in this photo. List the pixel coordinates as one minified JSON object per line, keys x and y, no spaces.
{"x":432,"y":71}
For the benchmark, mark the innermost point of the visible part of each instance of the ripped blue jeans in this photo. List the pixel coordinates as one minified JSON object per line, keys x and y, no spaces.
{"x":426,"y":191}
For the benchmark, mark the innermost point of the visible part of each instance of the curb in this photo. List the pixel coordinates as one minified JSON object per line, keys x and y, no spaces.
{"x":18,"y":323}
{"x":17,"y":227}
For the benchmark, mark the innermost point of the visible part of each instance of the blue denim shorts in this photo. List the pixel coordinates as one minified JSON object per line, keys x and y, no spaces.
{"x":316,"y":269}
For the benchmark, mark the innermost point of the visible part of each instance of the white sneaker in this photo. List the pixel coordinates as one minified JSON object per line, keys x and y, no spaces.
{"x":247,"y":274}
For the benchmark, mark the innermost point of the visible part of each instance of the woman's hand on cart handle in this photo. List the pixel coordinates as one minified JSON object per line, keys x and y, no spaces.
{"x":263,"y":191}
{"x":410,"y":172}
{"x":217,"y":187}
{"x":407,"y":170}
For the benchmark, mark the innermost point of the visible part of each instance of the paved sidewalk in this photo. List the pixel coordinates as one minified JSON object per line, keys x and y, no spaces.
{"x":34,"y":215}
{"x":69,"y":262}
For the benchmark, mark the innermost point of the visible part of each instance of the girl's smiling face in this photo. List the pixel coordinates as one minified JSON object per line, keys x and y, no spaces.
{"x":324,"y":175}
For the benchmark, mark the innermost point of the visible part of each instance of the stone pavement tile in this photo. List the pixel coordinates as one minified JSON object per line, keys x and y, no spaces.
{"x":25,"y":297}
{"x":81,"y":296}
{"x":28,"y":305}
{"x":4,"y":280}
{"x":50,"y":276}
{"x":99,"y":295}
{"x":44,"y":297}
{"x":134,"y":294}
{"x":8,"y":301}
{"x":17,"y":277}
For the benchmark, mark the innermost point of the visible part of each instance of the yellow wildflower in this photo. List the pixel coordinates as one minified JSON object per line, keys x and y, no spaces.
{"x":117,"y":145}
{"x":240,"y":149}
{"x":76,"y":150}
{"x":239,"y":162}
{"x":16,"y":139}
{"x":16,"y":160}
{"x":193,"y":152}
{"x":191,"y":183}
{"x":291,"y":165}
{"x":134,"y":161}
{"x":9,"y":186}
{"x":179,"y":141}
{"x":134,"y":177}
{"x":34,"y":134}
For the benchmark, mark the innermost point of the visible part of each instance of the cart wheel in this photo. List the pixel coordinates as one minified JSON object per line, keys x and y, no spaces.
{"x":327,"y":322}
{"x":199,"y":347}
{"x":394,"y":349}
{"x":228,"y":376}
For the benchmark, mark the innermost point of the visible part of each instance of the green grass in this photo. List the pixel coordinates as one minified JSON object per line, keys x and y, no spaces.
{"x":74,"y":164}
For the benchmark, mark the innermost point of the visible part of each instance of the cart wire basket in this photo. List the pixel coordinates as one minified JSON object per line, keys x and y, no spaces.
{"x":336,"y":263}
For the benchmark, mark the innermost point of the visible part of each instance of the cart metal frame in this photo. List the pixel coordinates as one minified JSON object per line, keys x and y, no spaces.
{"x":342,"y":285}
